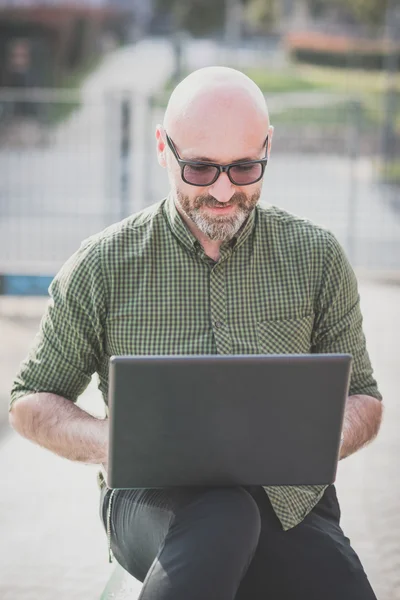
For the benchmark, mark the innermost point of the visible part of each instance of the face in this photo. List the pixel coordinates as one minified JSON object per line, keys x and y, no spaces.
{"x":222,"y":132}
{"x":218,"y":211}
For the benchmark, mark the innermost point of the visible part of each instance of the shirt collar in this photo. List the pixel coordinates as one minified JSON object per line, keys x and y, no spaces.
{"x":184,"y":235}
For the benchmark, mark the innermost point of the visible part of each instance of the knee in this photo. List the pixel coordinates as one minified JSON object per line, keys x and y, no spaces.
{"x":233,"y":512}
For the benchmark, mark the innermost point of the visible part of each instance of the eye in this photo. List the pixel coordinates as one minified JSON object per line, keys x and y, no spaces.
{"x":246,"y":168}
{"x":200,"y":168}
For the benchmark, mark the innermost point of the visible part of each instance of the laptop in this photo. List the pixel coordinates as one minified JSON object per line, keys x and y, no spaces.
{"x":225,"y":420}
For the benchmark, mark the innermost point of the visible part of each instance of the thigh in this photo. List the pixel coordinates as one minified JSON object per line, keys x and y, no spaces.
{"x":313,"y":560}
{"x":140,"y":521}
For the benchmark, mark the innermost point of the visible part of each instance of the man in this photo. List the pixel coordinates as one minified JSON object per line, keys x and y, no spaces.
{"x":207,"y":271}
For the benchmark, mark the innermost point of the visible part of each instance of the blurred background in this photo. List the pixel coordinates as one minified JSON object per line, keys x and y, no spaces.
{"x":82,"y":86}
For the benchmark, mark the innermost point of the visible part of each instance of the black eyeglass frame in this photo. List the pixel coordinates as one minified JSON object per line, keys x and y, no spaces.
{"x":221,"y":168}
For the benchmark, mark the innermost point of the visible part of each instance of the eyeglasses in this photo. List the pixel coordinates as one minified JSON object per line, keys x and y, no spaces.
{"x":203,"y":173}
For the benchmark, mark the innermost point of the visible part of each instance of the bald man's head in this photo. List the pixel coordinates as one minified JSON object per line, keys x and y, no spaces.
{"x":208,"y":93}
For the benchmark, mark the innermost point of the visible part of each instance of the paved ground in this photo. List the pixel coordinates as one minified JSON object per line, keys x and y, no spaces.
{"x":52,"y":542}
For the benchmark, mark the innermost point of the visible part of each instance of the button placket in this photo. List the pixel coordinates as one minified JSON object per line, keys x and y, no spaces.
{"x":218,"y":309}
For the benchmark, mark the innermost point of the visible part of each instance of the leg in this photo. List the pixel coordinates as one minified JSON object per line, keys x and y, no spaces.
{"x":312,"y":561}
{"x":185,"y":543}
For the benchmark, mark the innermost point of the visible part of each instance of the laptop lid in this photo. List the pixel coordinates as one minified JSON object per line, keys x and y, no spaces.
{"x":225,"y":420}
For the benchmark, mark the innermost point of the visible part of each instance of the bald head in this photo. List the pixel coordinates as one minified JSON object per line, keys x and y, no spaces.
{"x":213,"y":100}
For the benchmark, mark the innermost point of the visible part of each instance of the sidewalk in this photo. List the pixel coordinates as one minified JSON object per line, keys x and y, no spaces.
{"x":53,"y":544}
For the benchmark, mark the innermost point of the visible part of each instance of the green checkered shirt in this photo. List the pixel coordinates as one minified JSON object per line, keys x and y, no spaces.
{"x":145,"y":286}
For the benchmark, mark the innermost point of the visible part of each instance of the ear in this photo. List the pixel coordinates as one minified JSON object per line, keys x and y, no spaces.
{"x":270,"y":136}
{"x":161,"y":146}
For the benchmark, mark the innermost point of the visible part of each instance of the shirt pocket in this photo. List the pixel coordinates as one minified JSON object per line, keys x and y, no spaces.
{"x":285,"y":336}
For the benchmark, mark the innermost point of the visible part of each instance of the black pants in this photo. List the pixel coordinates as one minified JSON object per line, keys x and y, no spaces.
{"x":227,"y":543}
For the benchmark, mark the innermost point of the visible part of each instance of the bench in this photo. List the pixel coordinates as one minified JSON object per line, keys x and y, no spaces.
{"x":121,"y":586}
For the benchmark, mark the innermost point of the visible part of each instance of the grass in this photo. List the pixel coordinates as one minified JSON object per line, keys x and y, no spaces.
{"x":368,"y":87}
{"x":331,"y":117}
{"x":284,"y":81}
{"x":59,"y":111}
{"x":390,"y":172}
{"x":272,"y":81}
{"x":75,"y":79}
{"x":349,"y":80}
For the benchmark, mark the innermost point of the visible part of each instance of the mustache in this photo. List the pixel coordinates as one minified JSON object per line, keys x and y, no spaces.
{"x":238,"y":199}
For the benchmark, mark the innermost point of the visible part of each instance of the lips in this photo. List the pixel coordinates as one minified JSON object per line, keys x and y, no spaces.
{"x":221,"y":207}
{"x":224,"y":207}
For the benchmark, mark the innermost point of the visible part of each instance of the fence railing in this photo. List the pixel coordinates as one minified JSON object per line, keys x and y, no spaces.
{"x":71,"y":164}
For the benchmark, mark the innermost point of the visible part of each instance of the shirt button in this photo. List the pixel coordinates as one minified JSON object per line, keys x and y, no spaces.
{"x":218,"y":324}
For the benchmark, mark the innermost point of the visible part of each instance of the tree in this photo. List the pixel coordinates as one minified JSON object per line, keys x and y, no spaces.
{"x":200,"y":17}
{"x":368,"y":12}
{"x":262,"y":14}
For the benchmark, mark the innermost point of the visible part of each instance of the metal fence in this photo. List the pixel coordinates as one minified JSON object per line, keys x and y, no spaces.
{"x":68,"y":168}
{"x":71,"y":165}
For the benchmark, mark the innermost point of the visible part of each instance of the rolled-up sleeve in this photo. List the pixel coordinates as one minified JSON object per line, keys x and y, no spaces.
{"x":68,"y":347}
{"x":339,"y":322}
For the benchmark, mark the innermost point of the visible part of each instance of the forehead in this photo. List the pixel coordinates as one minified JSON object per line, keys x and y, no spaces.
{"x":222,"y":130}
{"x":219,"y":150}
{"x":220,"y":145}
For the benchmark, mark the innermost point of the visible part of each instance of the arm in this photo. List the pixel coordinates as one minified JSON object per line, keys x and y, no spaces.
{"x":66,"y":352}
{"x":339,"y":330}
{"x":362,"y":419}
{"x":62,"y":427}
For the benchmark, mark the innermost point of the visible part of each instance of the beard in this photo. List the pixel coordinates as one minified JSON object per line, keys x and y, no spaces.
{"x":218,"y":227}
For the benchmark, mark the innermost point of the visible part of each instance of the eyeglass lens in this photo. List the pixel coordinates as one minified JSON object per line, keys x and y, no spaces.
{"x":205,"y":174}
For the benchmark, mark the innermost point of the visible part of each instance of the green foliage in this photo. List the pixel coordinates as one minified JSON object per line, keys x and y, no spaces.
{"x":374,"y":61}
{"x":60,"y":111}
{"x":390,"y":172}
{"x":269,"y":80}
{"x":199,"y":17}
{"x":369,"y":87}
{"x":202,"y":17}
{"x":262,"y":14}
{"x":370,"y":12}
{"x":286,"y":80}
{"x":327,"y":116}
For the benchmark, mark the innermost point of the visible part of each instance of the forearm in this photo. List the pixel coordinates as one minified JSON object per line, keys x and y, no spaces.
{"x":362,"y":419}
{"x":62,"y":427}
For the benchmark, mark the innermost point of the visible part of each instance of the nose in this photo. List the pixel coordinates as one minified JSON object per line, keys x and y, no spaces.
{"x":222,"y":189}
